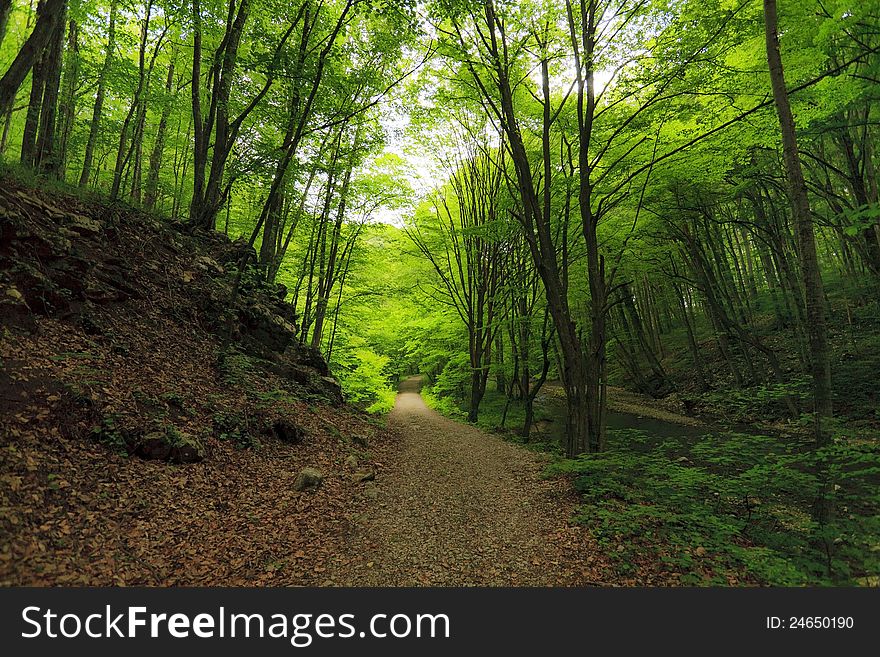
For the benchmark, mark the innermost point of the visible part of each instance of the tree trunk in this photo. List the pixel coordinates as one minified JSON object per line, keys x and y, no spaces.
{"x":151,"y":193}
{"x":68,"y":102}
{"x":32,"y":118}
{"x":659,"y":384}
{"x":5,"y":10}
{"x":300,"y":110}
{"x":529,"y":419}
{"x":123,"y":153}
{"x":46,"y":147}
{"x":809,"y":262}
{"x":97,"y":110}
{"x":500,"y":375}
{"x":49,"y":14}
{"x":209,"y":192}
{"x":691,"y":338}
{"x":477,"y":390}
{"x":268,"y":246}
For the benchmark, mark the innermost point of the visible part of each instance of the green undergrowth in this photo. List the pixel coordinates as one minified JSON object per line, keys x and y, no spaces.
{"x":494,"y":418}
{"x":499,"y":417}
{"x":444,"y":405}
{"x":364,"y":376}
{"x":734,"y":508}
{"x":384,"y":402}
{"x":854,"y":341}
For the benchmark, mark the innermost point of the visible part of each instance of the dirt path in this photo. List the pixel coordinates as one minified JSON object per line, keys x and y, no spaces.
{"x":460,"y":507}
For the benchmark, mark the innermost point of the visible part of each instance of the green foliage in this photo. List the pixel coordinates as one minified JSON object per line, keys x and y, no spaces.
{"x":767,"y":400}
{"x":236,"y":429}
{"x":235,"y":368}
{"x":862,"y":218}
{"x":364,"y":376}
{"x":109,"y":434}
{"x":453,"y":381}
{"x":384,"y":402}
{"x":743,"y":505}
{"x":674,"y":73}
{"x":444,"y":405}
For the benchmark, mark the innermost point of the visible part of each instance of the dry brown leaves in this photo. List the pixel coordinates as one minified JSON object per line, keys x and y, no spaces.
{"x":75,"y":512}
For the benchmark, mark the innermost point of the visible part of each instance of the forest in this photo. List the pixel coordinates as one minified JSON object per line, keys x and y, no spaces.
{"x":631,"y":245}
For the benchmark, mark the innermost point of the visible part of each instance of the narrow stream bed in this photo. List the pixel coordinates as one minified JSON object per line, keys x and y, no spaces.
{"x":551,"y":410}
{"x":660,"y":428}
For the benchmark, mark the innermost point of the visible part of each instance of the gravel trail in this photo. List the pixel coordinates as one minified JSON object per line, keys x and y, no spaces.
{"x":460,"y":507}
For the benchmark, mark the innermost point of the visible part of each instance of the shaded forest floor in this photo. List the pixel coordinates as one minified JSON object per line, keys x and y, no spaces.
{"x":621,"y":400}
{"x":130,"y":453}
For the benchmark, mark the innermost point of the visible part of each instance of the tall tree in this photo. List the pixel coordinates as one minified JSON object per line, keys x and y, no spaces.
{"x":46,"y":155}
{"x":301,"y":105}
{"x":68,"y":96}
{"x":814,"y":294}
{"x":5,"y":10}
{"x":151,"y":193}
{"x":98,"y":107}
{"x":465,"y":247}
{"x":49,"y":14}
{"x":218,"y":130}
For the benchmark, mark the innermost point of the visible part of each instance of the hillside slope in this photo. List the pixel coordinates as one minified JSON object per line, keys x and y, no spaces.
{"x":131,"y":452}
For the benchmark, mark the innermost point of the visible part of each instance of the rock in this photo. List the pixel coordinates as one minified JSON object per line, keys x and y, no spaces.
{"x":109,"y":284}
{"x":323,"y":386}
{"x":360,"y":441}
{"x":153,"y":446}
{"x":287,"y":432}
{"x":15,"y":312}
{"x":312,"y":358}
{"x":169,"y":445}
{"x":234,"y":251}
{"x":43,"y":296}
{"x":332,"y":384}
{"x":371,"y":491}
{"x":102,"y":296}
{"x":308,"y":478}
{"x":90,"y":323}
{"x":265,"y":327}
{"x":364,"y":475}
{"x":351,"y":462}
{"x":71,"y":274}
{"x":208,"y":264}
{"x":291,"y":371}
{"x":189,"y":451}
{"x":83,"y":225}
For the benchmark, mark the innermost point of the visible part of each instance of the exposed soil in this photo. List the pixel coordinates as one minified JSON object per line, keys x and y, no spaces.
{"x":460,"y":507}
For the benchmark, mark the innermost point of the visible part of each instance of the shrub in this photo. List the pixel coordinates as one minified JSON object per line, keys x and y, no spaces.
{"x":744,"y":504}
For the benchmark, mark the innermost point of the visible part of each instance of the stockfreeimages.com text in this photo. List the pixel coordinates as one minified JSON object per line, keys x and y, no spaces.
{"x":300,"y":629}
